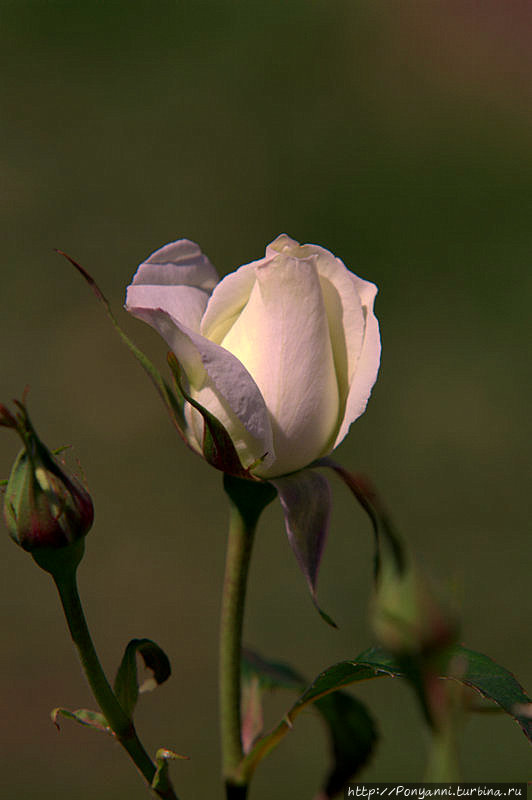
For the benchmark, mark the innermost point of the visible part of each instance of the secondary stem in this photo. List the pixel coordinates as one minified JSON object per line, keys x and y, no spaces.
{"x":116,"y":718}
{"x":247,"y":500}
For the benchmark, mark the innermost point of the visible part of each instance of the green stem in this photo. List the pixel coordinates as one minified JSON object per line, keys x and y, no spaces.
{"x":117,"y":719}
{"x":236,"y":569}
{"x":247,"y":500}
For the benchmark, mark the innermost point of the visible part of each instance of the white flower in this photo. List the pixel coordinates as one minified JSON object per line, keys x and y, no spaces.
{"x":284,"y":351}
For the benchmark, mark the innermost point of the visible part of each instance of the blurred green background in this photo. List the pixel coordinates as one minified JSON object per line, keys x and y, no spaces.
{"x":398,"y":135}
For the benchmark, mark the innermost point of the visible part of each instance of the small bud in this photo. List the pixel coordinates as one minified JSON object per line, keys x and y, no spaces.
{"x":43,"y":506}
{"x":408,"y":618}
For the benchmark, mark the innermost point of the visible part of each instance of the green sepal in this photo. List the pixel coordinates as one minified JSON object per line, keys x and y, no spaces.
{"x":92,"y":719}
{"x":217,"y":446}
{"x":305,"y":497}
{"x":56,"y":452}
{"x":160,"y":782}
{"x":126,"y":685}
{"x":383,"y":528}
{"x":174,"y":404}
{"x":353,"y":737}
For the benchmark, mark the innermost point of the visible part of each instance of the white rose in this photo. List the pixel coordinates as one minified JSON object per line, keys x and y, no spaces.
{"x":284,"y":351}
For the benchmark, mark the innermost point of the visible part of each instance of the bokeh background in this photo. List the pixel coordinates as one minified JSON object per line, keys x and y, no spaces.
{"x":399,"y":136}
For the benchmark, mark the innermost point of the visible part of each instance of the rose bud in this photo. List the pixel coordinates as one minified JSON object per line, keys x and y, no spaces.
{"x":408,"y":616}
{"x":283,"y":352}
{"x":43,"y":506}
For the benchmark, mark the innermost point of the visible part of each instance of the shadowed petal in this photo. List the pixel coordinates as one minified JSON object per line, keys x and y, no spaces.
{"x":179,"y":263}
{"x":178,"y":278}
{"x":220,"y":383}
{"x":170,"y":292}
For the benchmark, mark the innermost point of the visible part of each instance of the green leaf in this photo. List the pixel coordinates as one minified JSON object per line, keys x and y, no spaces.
{"x":494,"y":683}
{"x":93,"y":719}
{"x":353,"y":738}
{"x":338,"y":676}
{"x":330,"y":680}
{"x":160,"y":782}
{"x":126,"y":683}
{"x":218,"y":448}
{"x":259,"y":676}
{"x":271,"y":674}
{"x":350,"y":727}
{"x":173,"y":404}
{"x":465,"y":666}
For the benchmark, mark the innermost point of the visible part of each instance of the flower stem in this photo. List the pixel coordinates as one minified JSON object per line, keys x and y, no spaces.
{"x":117,"y":719}
{"x":247,"y":501}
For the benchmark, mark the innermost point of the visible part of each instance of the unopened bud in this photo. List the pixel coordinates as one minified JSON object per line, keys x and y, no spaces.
{"x":408,"y":617}
{"x":44,"y":507}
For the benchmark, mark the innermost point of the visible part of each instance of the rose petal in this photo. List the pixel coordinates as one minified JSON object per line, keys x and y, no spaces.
{"x":184,"y":303}
{"x":180,"y":263}
{"x":283,"y":243}
{"x":346,"y":320}
{"x":282,"y":337}
{"x":170,"y":291}
{"x":353,"y":327}
{"x":367,"y":366}
{"x":220,"y":383}
{"x":227,"y":301}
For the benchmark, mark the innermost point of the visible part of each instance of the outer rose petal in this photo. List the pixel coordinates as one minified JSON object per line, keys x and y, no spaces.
{"x":217,"y":379}
{"x":346,"y":322}
{"x":282,"y":337}
{"x":353,"y":328}
{"x":367,"y":367}
{"x":179,"y":263}
{"x":178,"y":278}
{"x":183,"y":303}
